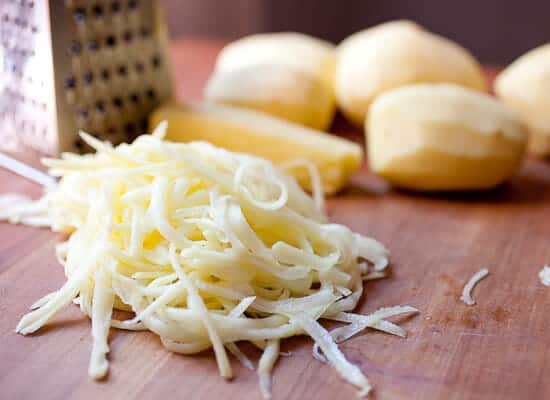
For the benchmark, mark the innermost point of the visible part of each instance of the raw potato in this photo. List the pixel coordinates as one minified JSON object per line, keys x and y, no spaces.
{"x":288,"y":75}
{"x":395,"y":54}
{"x":525,"y":87}
{"x":305,"y":53}
{"x":438,"y":137}
{"x":279,"y":90}
{"x":278,"y":140}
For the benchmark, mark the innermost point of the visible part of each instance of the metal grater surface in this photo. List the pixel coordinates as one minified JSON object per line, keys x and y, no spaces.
{"x":70,"y":65}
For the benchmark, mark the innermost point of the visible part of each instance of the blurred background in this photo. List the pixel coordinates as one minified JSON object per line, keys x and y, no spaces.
{"x":495,"y":31}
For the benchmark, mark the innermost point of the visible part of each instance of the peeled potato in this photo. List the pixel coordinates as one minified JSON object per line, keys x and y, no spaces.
{"x":525,"y":87}
{"x":395,"y":54}
{"x":281,"y":91}
{"x":305,"y":53}
{"x":440,"y":137}
{"x":280,"y":141}
{"x":288,"y":75}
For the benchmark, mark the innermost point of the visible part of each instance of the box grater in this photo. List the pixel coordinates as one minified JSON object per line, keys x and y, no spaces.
{"x":66,"y":65}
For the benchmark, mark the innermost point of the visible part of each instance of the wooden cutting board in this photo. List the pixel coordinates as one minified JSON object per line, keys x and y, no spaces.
{"x":497,"y":349}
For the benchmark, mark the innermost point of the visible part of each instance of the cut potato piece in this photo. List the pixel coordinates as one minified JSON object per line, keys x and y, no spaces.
{"x":282,"y":91}
{"x":525,"y":87}
{"x":437,"y":137}
{"x":305,"y":53}
{"x":395,"y":54}
{"x":257,"y":133}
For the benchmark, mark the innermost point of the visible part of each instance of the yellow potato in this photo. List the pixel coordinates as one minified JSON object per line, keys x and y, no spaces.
{"x":278,"y":140}
{"x":282,"y":91}
{"x":306,"y":53}
{"x":525,"y":87}
{"x":395,"y":54}
{"x":439,"y":137}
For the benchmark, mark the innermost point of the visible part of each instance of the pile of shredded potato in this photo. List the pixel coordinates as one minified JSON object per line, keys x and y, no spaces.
{"x":207,"y":248}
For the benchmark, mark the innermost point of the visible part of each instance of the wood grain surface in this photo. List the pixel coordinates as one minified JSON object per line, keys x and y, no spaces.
{"x":497,"y":349}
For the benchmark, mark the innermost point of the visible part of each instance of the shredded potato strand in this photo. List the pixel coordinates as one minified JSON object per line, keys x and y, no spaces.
{"x":207,"y":248}
{"x":267,"y":361}
{"x":544,"y":275}
{"x":101,"y":320}
{"x":466,"y":295}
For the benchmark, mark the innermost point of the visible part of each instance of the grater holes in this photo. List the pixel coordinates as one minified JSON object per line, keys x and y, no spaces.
{"x":105,"y":74}
{"x":143,"y":125}
{"x":129,"y":128}
{"x":70,"y":82}
{"x":151,"y":94}
{"x":79,"y":144}
{"x":117,"y":101}
{"x":97,"y":10}
{"x":155,"y":61}
{"x":110,"y":41}
{"x":20,"y":22}
{"x":93,"y":45}
{"x":115,"y":7}
{"x":88,"y":77}
{"x":80,"y":14}
{"x":75,"y":48}
{"x":100,"y":107}
{"x":122,"y":70}
{"x":85,"y":63}
{"x":83,"y":113}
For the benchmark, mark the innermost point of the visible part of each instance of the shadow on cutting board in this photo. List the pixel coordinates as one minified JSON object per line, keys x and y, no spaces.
{"x":531,"y":185}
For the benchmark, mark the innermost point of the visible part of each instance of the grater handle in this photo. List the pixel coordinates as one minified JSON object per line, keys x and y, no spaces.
{"x":26,"y":171}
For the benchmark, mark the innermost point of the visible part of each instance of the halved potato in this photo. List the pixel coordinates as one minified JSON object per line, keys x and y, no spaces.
{"x":257,"y":133}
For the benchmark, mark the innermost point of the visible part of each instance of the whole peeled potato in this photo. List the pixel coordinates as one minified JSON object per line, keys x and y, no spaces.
{"x":441,"y":137}
{"x":288,"y":75}
{"x":395,"y":54}
{"x":282,"y":91}
{"x":303,"y":52}
{"x":525,"y":87}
